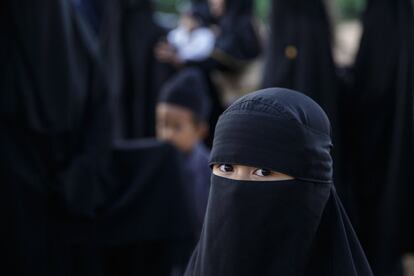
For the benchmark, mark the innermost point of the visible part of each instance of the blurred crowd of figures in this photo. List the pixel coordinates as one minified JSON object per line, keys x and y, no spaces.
{"x":89,"y":184}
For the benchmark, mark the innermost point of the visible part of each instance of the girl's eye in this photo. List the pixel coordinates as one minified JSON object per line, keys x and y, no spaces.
{"x":262,"y":172}
{"x":226,"y":168}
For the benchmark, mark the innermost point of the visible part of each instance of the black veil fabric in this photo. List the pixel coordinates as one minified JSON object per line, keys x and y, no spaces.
{"x":292,"y":227}
{"x":299,"y":57}
{"x":381,"y":128}
{"x":129,"y":38}
{"x":55,"y":132}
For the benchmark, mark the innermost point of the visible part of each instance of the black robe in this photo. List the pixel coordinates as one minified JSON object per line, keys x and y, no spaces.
{"x":129,"y":38}
{"x":70,"y":203}
{"x":299,"y":57}
{"x":299,"y":51}
{"x":381,"y":128}
{"x":291,"y":227}
{"x":55,"y":133}
{"x":146,"y":227}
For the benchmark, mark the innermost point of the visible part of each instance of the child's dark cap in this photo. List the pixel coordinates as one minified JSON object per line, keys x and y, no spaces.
{"x":188,"y":89}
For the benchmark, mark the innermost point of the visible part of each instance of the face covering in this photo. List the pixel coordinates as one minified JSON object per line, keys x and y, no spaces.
{"x":291,"y":227}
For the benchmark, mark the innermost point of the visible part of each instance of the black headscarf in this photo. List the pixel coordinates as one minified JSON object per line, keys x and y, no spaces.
{"x":189,"y":90}
{"x":381,"y":129}
{"x":293,"y":227}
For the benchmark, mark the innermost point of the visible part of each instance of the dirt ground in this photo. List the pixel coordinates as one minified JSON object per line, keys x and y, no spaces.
{"x":409,"y":265}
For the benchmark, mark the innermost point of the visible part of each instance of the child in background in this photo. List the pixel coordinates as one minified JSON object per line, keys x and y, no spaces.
{"x":191,"y":40}
{"x":182,"y":113}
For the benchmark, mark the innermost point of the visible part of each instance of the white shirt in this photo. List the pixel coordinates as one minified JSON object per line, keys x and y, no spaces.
{"x":196,"y":45}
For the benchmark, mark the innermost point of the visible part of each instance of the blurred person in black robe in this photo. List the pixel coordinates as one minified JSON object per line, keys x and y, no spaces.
{"x":299,"y":57}
{"x":146,"y":227}
{"x":381,"y":128}
{"x":70,"y":203}
{"x":93,"y":10}
{"x":129,"y":35}
{"x":237,"y":44}
{"x":126,"y":33}
{"x":55,"y":134}
{"x":299,"y":52}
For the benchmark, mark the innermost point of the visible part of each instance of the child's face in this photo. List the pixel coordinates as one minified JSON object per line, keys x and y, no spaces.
{"x":176,"y":125}
{"x":240,"y":172}
{"x":189,"y":22}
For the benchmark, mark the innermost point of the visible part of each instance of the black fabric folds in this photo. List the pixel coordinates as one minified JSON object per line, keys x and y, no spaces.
{"x":69,"y":203}
{"x":129,"y":36}
{"x":299,"y":57}
{"x":238,"y":40}
{"x":299,"y":52}
{"x":145,"y":227}
{"x":55,"y":133}
{"x":291,"y":227}
{"x":380,"y":129}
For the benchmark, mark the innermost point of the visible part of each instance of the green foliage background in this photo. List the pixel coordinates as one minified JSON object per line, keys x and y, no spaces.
{"x":347,"y":9}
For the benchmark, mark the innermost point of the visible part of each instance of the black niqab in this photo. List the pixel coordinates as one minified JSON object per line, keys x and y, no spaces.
{"x":293,"y":227}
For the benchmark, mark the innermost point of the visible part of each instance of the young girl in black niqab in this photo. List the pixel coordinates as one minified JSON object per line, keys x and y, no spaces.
{"x":273,"y":208}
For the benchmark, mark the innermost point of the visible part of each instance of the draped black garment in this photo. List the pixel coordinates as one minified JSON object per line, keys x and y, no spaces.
{"x":146,"y":226}
{"x":299,"y":57}
{"x":381,"y":131}
{"x":299,"y":52}
{"x":70,"y":203}
{"x":55,"y":133}
{"x":292,"y":227}
{"x":129,"y":36}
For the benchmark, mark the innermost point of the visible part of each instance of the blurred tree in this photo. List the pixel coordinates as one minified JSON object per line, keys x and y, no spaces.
{"x":347,"y":8}
{"x":171,"y":6}
{"x":350,"y":8}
